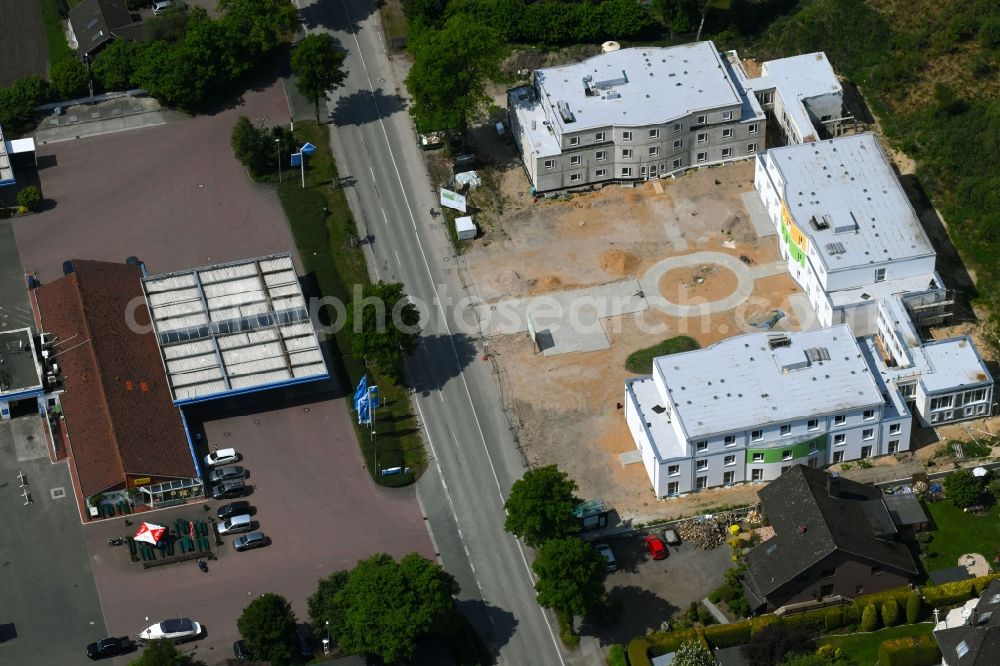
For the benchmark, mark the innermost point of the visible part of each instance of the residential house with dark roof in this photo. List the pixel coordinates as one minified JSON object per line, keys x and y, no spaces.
{"x":122,"y":430}
{"x":96,"y":22}
{"x":970,"y":635}
{"x":833,"y":537}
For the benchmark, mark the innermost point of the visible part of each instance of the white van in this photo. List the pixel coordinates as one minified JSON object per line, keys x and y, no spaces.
{"x":235,"y":524}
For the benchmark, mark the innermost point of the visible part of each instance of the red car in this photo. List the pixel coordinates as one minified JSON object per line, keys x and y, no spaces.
{"x":657,"y":549}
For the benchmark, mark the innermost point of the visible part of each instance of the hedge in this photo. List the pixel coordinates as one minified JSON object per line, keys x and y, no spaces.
{"x":949,"y":594}
{"x":663,"y":642}
{"x":728,"y":635}
{"x":761,"y":621}
{"x":909,"y":651}
{"x":638,"y":652}
{"x":878,"y":599}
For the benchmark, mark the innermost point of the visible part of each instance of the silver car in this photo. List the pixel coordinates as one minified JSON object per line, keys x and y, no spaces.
{"x":227,"y":473}
{"x":605,"y":550}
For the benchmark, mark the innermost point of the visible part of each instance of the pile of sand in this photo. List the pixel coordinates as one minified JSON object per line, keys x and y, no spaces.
{"x":619,"y":262}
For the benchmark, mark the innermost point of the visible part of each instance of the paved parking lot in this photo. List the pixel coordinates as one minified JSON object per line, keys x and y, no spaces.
{"x":652,"y":591}
{"x":313,"y":498}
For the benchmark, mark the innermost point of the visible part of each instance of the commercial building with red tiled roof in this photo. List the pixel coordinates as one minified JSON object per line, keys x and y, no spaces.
{"x":124,"y":431}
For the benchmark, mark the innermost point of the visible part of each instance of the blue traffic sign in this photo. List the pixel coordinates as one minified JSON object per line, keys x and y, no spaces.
{"x":296,"y":159}
{"x":308,"y":149}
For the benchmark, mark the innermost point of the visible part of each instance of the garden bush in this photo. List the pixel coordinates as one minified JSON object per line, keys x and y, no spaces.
{"x":616,"y":656}
{"x":663,"y":642}
{"x":833,"y":618}
{"x":913,"y":607}
{"x":813,"y":621}
{"x":910,"y":651}
{"x":762,"y":621}
{"x":869,"y":618}
{"x":638,"y":652}
{"x":728,"y":635}
{"x":890,"y":613}
{"x":949,"y":594}
{"x":30,"y":198}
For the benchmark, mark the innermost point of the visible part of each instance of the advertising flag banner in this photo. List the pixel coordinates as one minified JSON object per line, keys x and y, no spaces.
{"x":452,"y":200}
{"x":361,"y":392}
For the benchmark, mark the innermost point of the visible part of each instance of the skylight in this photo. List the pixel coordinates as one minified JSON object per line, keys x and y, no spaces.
{"x":962,"y":649}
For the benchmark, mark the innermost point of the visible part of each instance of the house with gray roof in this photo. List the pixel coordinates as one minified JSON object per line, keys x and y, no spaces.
{"x":970,"y":635}
{"x":833,"y":538}
{"x":96,"y":22}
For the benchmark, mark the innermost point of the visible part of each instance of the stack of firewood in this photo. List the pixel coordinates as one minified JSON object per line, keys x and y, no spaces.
{"x":705,"y":534}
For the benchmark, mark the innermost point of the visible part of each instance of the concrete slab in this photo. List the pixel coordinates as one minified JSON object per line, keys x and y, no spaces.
{"x":630,"y":457}
{"x":759,"y":218}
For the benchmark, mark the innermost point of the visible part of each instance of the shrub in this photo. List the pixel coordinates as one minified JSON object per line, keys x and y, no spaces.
{"x":30,"y":197}
{"x":728,"y":635}
{"x":832,"y":619}
{"x":641,"y":361}
{"x":910,"y":651}
{"x":715,"y":597}
{"x":664,"y":642}
{"x":616,"y":656}
{"x":913,"y":607}
{"x":638,"y":652}
{"x":705,"y":616}
{"x":69,"y":78}
{"x":927,"y":537}
{"x":993,"y":488}
{"x":890,"y":613}
{"x":879,"y":598}
{"x":962,"y":488}
{"x":869,"y":618}
{"x":975,"y":450}
{"x":761,"y":622}
{"x":953,"y":594}
{"x":813,"y":621}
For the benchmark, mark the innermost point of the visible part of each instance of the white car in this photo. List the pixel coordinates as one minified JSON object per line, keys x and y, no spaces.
{"x":161,"y":6}
{"x":176,"y":631}
{"x":222,"y":457}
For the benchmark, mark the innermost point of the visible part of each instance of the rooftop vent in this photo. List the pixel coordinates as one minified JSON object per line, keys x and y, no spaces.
{"x":820,"y":223}
{"x":815,"y":354}
{"x":565,"y":112}
{"x":778,"y":340}
{"x":835,"y":248}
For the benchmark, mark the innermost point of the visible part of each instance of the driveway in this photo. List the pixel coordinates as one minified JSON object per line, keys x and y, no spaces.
{"x":652,"y":591}
{"x":312,"y":496}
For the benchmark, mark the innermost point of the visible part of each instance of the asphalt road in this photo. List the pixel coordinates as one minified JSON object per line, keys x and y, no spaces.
{"x":474,"y":459}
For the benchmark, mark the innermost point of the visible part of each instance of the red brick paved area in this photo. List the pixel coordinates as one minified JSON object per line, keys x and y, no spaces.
{"x":313,"y":498}
{"x":173,"y":195}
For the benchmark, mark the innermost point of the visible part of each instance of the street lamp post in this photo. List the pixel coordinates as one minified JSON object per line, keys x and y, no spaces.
{"x":326,"y":641}
{"x":277,"y":143}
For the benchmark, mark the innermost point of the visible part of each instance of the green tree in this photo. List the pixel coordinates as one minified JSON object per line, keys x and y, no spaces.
{"x":540,"y":506}
{"x":774,"y":643}
{"x":384,"y":326}
{"x":17,"y":104}
{"x":570,"y":578}
{"x":383,"y":607}
{"x":425,"y":12}
{"x":268,"y":627}
{"x":319,"y":66}
{"x":869,"y":618}
{"x":160,"y":653}
{"x":914,"y":604}
{"x":258,"y":25}
{"x":692,"y":653}
{"x":70,"y":79}
{"x":448,"y":79}
{"x":890,"y":612}
{"x":30,"y":197}
{"x":962,"y":488}
{"x":115,"y":65}
{"x":680,"y":16}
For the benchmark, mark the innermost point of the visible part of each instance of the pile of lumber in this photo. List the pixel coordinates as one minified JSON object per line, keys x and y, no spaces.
{"x":705,"y":534}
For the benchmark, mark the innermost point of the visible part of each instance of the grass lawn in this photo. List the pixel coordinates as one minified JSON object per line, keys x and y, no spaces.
{"x":321,"y":223}
{"x":58,"y":46}
{"x":641,"y":362}
{"x":863,"y":648}
{"x":956,"y":533}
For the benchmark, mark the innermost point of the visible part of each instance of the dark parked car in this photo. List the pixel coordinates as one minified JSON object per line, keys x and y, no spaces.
{"x":305,"y":641}
{"x":241,"y":650}
{"x":227,"y":473}
{"x":233,"y":509}
{"x":229,"y":489}
{"x":109,"y":647}
{"x":252,"y":540}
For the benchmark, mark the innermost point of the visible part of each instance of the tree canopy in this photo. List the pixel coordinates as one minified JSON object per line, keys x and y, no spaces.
{"x":774,"y":643}
{"x":268,"y":627}
{"x":161,"y":653}
{"x":382,"y":607}
{"x":69,"y":79}
{"x":962,"y":488}
{"x":384,"y":326}
{"x":570,"y":577}
{"x":319,"y":66}
{"x":258,"y":148}
{"x":17,"y":103}
{"x":692,"y":654}
{"x":540,"y":506}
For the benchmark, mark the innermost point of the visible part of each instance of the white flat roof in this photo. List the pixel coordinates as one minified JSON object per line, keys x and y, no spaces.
{"x":861,"y":213}
{"x":798,"y":78}
{"x":233,"y":327}
{"x":652,"y":85}
{"x":742,"y":382}
{"x":881,"y":290}
{"x":665,"y":441}
{"x":954,"y":363}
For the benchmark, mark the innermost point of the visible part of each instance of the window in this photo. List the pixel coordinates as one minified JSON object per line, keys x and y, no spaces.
{"x":728,"y":478}
{"x":876,"y":571}
{"x":730,"y":440}
{"x":812,"y":424}
{"x":826,"y":591}
{"x":838,"y":456}
{"x":574,"y":178}
{"x":839,"y":419}
{"x":727,"y":152}
{"x":601,"y":155}
{"x":729,"y":460}
{"x":678,"y":127}
{"x":663,"y":168}
{"x":895,"y":428}
{"x":626,"y":172}
{"x":786,"y":454}
{"x":599,"y":137}
{"x":935,"y":418}
{"x":674,"y":470}
{"x":702,"y":120}
{"x":601,"y":173}
{"x":575,"y":160}
{"x":866,"y":452}
{"x":678,"y":143}
{"x":626,"y":136}
{"x":839,"y":439}
{"x":654,"y":150}
{"x":549,"y":164}
{"x":642,"y":172}
{"x":654,"y":134}
{"x":672,"y":488}
{"x":868,"y":433}
{"x":756,"y":435}
{"x":756,"y":475}
{"x":786,"y":429}
{"x":626,"y":153}
{"x":944,"y":402}
{"x":574,"y":141}
{"x":678,"y":163}
{"x":702,"y":445}
{"x":702,"y":157}
{"x":702,"y":464}
{"x":751,"y":147}
{"x":752,"y":128}
{"x":701,"y":482}
{"x":727,"y":115}
{"x":727,"y":133}
{"x":758,"y":457}
{"x":868,"y":414}
{"x":879,"y":274}
{"x":767,"y":97}
{"x":702,"y":137}
{"x":893,"y":446}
